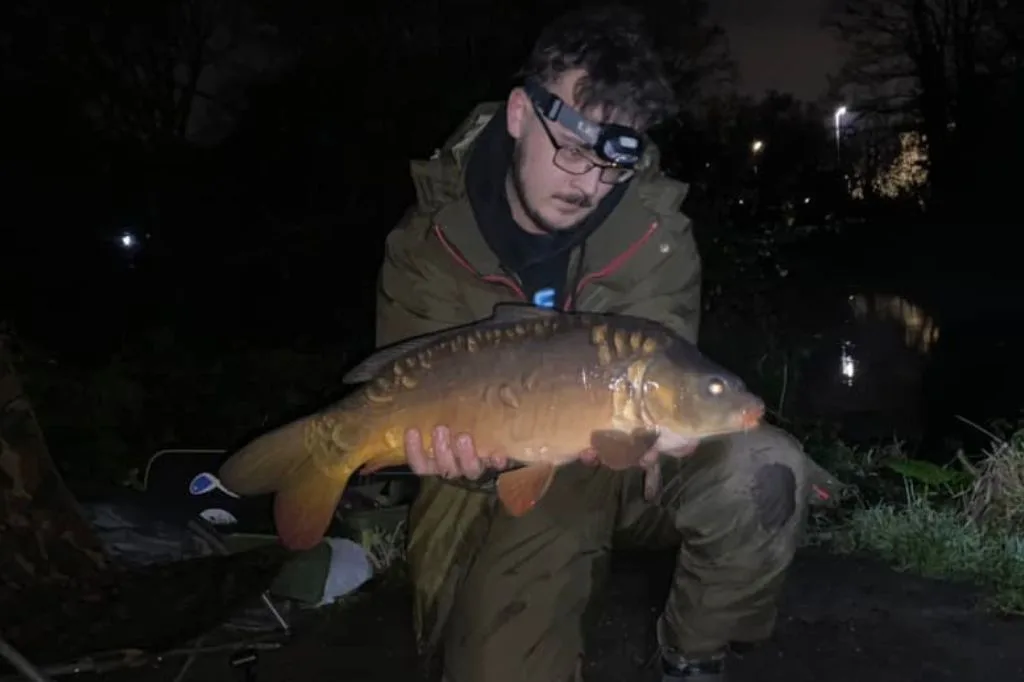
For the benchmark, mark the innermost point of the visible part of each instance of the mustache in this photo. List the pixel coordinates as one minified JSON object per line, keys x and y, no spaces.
{"x":580,"y":200}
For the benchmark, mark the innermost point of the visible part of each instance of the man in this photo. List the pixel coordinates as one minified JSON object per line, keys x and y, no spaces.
{"x":552,"y":199}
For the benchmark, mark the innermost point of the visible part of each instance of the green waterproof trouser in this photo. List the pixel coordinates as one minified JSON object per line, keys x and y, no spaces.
{"x":734,"y":509}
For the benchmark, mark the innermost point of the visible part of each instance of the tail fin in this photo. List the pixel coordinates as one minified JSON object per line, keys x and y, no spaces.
{"x":281,"y":462}
{"x":262,"y":465}
{"x":305,"y":504}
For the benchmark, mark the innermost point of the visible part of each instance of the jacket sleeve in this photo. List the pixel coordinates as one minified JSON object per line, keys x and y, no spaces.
{"x":671,"y":293}
{"x":416,"y":294}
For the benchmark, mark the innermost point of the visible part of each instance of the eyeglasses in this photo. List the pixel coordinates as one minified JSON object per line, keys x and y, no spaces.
{"x":576,"y":160}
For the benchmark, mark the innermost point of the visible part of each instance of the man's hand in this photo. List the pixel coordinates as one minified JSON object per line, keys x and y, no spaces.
{"x":650,"y":457}
{"x":652,"y":472}
{"x":450,"y":460}
{"x":461,"y":460}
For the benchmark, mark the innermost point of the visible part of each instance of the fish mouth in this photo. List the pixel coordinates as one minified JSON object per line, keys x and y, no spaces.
{"x":750,"y":418}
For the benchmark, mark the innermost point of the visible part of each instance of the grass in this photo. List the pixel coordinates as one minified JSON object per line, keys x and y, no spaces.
{"x":384,"y":547}
{"x":962,"y":521}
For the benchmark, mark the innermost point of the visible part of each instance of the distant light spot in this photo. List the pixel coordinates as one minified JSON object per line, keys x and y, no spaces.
{"x":847,"y":363}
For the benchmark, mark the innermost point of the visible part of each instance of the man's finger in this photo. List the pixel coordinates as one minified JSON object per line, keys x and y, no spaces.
{"x":683,"y":450}
{"x":443,"y":455}
{"x":652,"y":482}
{"x":498,"y":459}
{"x":418,"y":461}
{"x":649,"y":458}
{"x":465,"y":457}
{"x":589,"y":456}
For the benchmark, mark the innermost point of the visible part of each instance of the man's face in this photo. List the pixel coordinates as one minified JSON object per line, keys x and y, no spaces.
{"x":545,"y":195}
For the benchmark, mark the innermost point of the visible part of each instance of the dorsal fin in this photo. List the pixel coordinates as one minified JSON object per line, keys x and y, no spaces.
{"x":369,"y":367}
{"x":504,"y":313}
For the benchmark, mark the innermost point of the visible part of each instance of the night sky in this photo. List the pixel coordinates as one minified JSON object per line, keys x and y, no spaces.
{"x":780,"y":44}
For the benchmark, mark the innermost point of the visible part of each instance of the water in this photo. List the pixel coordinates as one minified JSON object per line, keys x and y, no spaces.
{"x":894,"y":369}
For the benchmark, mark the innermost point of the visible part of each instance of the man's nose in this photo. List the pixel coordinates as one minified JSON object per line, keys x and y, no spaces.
{"x":588,"y":182}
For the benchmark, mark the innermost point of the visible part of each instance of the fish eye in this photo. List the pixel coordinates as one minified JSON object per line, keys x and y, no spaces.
{"x":716,"y":386}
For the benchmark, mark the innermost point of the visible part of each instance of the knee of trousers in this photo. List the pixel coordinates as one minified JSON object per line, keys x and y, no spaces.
{"x":765,"y":472}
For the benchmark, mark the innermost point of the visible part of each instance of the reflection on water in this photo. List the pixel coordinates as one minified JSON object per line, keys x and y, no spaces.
{"x":878,"y":364}
{"x":919,"y":330}
{"x":867,"y":371}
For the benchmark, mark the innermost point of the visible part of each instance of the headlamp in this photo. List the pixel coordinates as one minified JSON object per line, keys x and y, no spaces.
{"x":612,"y":143}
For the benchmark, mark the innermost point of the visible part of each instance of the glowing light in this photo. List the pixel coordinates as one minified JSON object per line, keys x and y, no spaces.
{"x":757,"y":146}
{"x":847,"y":364}
{"x":838,"y":116}
{"x":127,"y":240}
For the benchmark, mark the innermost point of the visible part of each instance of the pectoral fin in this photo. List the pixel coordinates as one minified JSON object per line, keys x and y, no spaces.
{"x":619,"y":450}
{"x":521,"y":489}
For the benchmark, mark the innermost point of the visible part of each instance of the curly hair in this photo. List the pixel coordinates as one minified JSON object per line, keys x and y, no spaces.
{"x":623,"y":71}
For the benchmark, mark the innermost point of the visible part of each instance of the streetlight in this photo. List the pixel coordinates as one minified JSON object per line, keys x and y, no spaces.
{"x":756,"y":147}
{"x":838,"y":119}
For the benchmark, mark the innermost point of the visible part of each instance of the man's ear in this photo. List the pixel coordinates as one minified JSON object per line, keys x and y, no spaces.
{"x":517,"y":112}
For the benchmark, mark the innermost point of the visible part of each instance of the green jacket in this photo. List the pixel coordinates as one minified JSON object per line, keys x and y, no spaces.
{"x":438,"y":272}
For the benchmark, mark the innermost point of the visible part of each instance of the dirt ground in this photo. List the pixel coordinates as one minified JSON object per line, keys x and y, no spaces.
{"x":842,"y":620}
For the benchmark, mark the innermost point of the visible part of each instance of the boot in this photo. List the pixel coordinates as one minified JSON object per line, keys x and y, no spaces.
{"x":675,"y":668}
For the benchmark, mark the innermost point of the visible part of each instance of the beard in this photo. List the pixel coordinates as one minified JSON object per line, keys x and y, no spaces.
{"x":519,"y":187}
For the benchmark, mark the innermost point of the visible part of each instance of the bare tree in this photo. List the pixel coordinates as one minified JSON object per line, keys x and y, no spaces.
{"x":699,"y":57}
{"x":142,"y":71}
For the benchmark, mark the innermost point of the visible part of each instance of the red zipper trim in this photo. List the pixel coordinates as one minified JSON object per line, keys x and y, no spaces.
{"x":607,"y":270}
{"x":612,"y":266}
{"x":461,"y":260}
